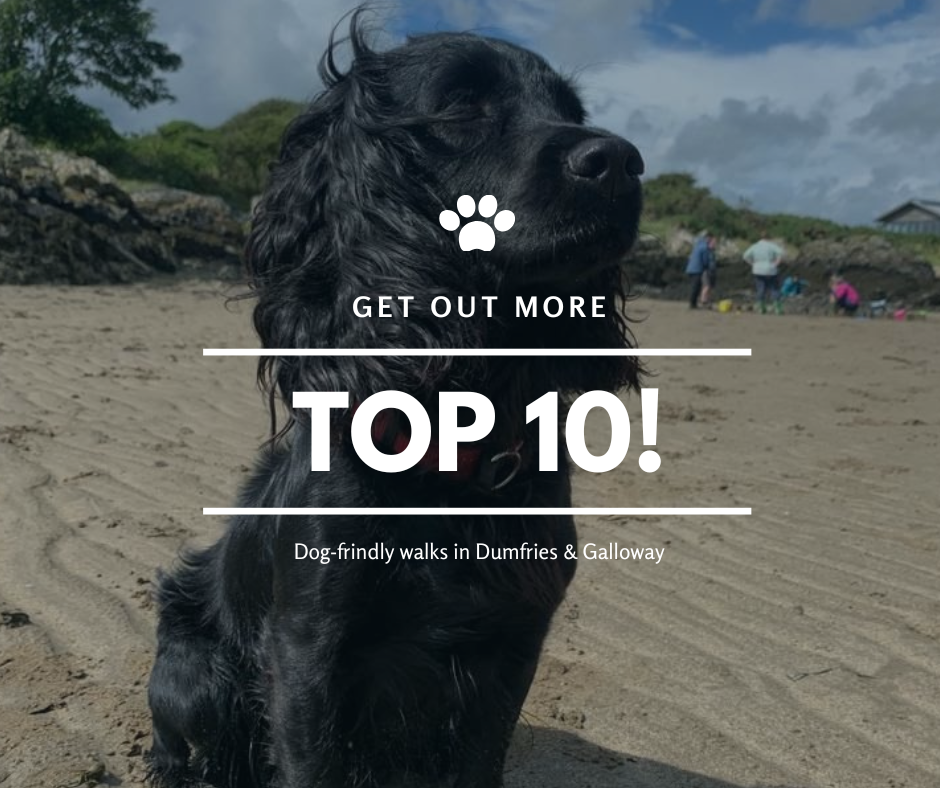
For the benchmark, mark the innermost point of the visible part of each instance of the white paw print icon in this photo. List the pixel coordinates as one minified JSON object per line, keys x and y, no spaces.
{"x":477,"y":234}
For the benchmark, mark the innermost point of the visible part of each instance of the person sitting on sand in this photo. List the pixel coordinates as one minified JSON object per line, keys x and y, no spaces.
{"x":842,"y":296}
{"x":793,"y":286}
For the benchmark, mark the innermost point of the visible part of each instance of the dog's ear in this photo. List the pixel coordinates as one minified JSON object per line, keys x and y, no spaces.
{"x":349,"y":212}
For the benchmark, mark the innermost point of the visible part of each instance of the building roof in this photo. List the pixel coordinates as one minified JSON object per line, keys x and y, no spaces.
{"x":930,"y":206}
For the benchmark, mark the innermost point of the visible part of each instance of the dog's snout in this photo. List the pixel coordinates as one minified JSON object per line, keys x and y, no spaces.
{"x":610,"y":161}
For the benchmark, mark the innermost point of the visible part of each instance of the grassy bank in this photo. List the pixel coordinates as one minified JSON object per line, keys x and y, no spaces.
{"x":675,"y":202}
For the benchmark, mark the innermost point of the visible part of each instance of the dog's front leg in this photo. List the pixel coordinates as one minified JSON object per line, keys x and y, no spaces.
{"x":303,"y":713}
{"x":488,"y":725}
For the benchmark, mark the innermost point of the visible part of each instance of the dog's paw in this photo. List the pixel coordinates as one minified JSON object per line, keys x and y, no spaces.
{"x":477,"y":234}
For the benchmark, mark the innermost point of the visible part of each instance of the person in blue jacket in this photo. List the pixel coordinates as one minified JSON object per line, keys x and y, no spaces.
{"x":701,"y":266}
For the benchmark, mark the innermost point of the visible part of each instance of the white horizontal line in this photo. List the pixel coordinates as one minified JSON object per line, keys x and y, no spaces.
{"x":554,"y":352}
{"x":360,"y":511}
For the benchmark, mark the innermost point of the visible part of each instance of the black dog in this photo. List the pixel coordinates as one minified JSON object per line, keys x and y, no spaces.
{"x":276,"y":671}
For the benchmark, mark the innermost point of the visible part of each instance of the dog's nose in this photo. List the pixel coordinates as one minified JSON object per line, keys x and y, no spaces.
{"x":609,"y":161}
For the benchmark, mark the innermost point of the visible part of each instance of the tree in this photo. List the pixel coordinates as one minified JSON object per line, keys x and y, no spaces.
{"x":249,"y":142}
{"x":230,"y":161}
{"x":49,"y":49}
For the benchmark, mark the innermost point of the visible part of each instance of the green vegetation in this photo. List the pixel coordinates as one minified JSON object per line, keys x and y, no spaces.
{"x":230,"y":160}
{"x":927,"y":247}
{"x":49,"y":49}
{"x":675,"y":201}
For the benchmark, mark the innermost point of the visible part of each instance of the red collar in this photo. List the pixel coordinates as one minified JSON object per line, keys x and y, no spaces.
{"x":391,"y":434}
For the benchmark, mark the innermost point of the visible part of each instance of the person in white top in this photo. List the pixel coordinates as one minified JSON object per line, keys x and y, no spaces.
{"x":764,"y":257}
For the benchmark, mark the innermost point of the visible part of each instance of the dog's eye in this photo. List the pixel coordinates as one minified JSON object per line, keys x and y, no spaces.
{"x":461,"y":96}
{"x":465,"y":104}
{"x":466,"y":97}
{"x":468,"y":84}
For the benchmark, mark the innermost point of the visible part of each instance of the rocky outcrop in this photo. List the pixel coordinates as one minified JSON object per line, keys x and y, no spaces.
{"x":199,"y":228}
{"x":64,"y":219}
{"x":873,"y":264}
{"x":878,"y":268}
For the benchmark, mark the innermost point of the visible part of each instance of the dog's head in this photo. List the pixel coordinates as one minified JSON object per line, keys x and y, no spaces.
{"x":498,"y":120}
{"x":355,"y":201}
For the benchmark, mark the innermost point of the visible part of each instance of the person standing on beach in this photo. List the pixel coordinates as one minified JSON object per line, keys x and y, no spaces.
{"x":699,"y":267}
{"x":710,"y":274}
{"x":764,"y":257}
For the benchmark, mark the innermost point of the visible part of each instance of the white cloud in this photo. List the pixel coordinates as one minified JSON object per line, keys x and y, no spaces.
{"x":683,"y":33}
{"x":779,"y":128}
{"x":235,"y":52}
{"x":827,"y":13}
{"x":825,"y":129}
{"x":770,"y":8}
{"x":911,"y":113}
{"x":568,"y":33}
{"x":869,"y":80}
{"x":784,"y":128}
{"x":745,"y":134}
{"x":846,"y":13}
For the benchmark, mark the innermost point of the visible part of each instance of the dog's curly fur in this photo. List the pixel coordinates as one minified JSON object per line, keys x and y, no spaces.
{"x":273,"y":671}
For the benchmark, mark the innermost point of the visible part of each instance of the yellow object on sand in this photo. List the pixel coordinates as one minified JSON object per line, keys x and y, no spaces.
{"x":725,"y":305}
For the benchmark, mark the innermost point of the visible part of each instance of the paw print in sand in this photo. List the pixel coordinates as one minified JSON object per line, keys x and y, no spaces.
{"x":477,"y":234}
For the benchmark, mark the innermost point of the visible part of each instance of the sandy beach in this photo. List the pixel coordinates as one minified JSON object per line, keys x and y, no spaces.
{"x":795,"y":648}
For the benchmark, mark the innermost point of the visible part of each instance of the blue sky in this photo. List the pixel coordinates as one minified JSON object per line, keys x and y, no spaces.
{"x":743,"y":26}
{"x":819,"y":107}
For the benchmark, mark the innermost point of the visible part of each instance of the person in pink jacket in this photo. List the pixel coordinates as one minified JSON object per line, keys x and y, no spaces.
{"x":842,"y":296}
